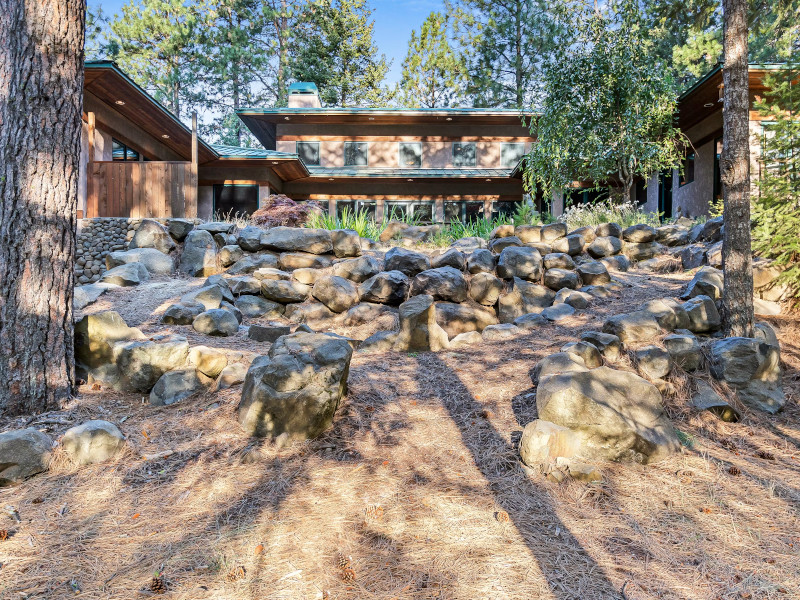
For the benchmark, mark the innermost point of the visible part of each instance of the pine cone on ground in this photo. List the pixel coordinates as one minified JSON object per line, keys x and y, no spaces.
{"x":374,"y":511}
{"x":734,"y":470}
{"x":236,"y":574}
{"x":158,"y":585}
{"x":502,"y":516}
{"x":344,"y":561}
{"x":348,"y":575}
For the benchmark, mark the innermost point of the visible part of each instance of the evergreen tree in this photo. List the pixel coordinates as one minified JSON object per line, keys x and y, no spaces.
{"x":96,"y":33}
{"x":608,"y":108}
{"x":504,"y":44}
{"x":333,"y":48}
{"x":433,"y":75}
{"x":234,"y":51}
{"x":776,"y":209}
{"x":156,"y":43}
{"x":284,"y":18}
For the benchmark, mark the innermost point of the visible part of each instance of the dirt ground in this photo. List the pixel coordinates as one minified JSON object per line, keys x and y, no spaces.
{"x":410,"y":488}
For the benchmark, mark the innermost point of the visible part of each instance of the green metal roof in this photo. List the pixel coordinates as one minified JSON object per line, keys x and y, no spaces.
{"x":240,"y":152}
{"x":303,"y":87}
{"x":718,"y":68}
{"x":505,"y":112}
{"x":319,"y":172}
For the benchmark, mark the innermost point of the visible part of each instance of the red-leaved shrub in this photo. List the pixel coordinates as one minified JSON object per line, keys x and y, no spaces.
{"x":282,"y":210}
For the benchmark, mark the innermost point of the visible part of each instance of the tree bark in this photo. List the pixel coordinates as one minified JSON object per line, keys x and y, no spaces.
{"x":737,"y":261}
{"x":41,"y":100}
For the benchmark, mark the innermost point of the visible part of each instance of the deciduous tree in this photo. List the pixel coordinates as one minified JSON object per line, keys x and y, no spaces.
{"x":41,"y":99}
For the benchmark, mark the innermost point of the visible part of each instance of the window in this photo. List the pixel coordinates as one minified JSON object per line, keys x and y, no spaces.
{"x":368,"y":207}
{"x":121,"y":152}
{"x":421,"y":212}
{"x":308,"y":152}
{"x":463,"y":211}
{"x":410,"y":155}
{"x":688,"y":169}
{"x":510,"y":154}
{"x":504,"y":208}
{"x":235,"y":199}
{"x":356,"y":154}
{"x":464,"y":154}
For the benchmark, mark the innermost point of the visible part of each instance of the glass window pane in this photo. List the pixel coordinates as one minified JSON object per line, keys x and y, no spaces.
{"x":342,"y":205}
{"x":452,"y":211}
{"x":510,"y":154}
{"x":474,"y":211}
{"x":396,"y":210}
{"x":410,"y":154}
{"x":308,"y":152}
{"x":117,"y":150}
{"x":356,"y":154}
{"x":464,"y":154}
{"x":368,"y":206}
{"x":503,"y":209}
{"x":423,"y":212}
{"x":131,"y":154}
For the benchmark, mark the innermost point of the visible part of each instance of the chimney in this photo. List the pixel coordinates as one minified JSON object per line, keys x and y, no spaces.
{"x":304,"y":94}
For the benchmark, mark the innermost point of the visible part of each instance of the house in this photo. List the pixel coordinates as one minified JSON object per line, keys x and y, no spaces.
{"x":434,"y":164}
{"x":692,"y":193}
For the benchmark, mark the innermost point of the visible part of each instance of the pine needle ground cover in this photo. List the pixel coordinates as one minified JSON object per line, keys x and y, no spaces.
{"x":406,"y":496}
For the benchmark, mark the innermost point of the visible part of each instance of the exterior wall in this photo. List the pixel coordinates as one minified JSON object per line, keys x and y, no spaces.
{"x":693,"y":199}
{"x":651,"y":205}
{"x":205,"y":202}
{"x":386,"y":154}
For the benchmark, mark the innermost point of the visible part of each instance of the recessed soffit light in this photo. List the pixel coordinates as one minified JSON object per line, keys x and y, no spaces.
{"x":120,"y":102}
{"x":371,"y":118}
{"x":165,"y":136}
{"x":409,"y":180}
{"x":275,"y":162}
{"x":488,"y":180}
{"x":449,"y":119}
{"x":285,"y":118}
{"x":708,"y":104}
{"x":330,"y":178}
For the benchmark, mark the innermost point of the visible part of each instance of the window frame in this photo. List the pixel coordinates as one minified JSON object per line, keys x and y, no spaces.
{"x":684,"y":179}
{"x":366,"y":153}
{"x":309,"y":143}
{"x":507,"y":144}
{"x":126,"y":149}
{"x":400,"y":155}
{"x":474,"y":145}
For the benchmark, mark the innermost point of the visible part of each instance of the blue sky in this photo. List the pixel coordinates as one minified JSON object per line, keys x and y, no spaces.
{"x":394,"y":21}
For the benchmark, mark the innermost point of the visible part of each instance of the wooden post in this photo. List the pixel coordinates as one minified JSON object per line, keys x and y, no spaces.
{"x":90,"y":117}
{"x":91,"y":199}
{"x":190,"y":208}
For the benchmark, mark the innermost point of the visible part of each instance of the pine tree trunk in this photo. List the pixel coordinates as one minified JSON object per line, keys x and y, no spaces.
{"x":41,"y":99}
{"x":737,"y":262}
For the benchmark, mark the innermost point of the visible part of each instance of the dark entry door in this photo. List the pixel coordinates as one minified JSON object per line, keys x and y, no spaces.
{"x":665,"y":194}
{"x":235,"y":199}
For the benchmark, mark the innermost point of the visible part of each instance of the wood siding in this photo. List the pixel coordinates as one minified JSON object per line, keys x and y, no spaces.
{"x":141,"y":189}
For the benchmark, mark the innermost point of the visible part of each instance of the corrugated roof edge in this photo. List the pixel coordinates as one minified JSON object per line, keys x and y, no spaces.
{"x":388,"y":111}
{"x":110,"y":64}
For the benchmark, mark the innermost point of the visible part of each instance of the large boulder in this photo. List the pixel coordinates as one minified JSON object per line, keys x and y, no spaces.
{"x":572,"y":245}
{"x":693,"y":256}
{"x":558,"y":364}
{"x":284,"y":291}
{"x":179,"y":228}
{"x":685,"y":351}
{"x":126,"y":275}
{"x":152,"y":234}
{"x":500,"y":332}
{"x":23,"y":453}
{"x":210,"y":296}
{"x":444,"y":283}
{"x":553,"y":231}
{"x":256,"y":306}
{"x":407,"y":262}
{"x":668,"y":312}
{"x":557,"y":279}
{"x":337,"y":293}
{"x":177,"y":385}
{"x":653,"y":362}
{"x":604,"y":246}
{"x":229,"y":255}
{"x":86,"y":294}
{"x":199,"y":256}
{"x":502,"y":231}
{"x":522,"y":262}
{"x":609,"y":345}
{"x":703,"y":314}
{"x":289,"y":261}
{"x":367,"y":313}
{"x":95,"y":336}
{"x":387,"y":287}
{"x":523,"y":298}
{"x":593,"y":272}
{"x":558,"y":260}
{"x":708,"y":281}
{"x":558,"y":312}
{"x":632,"y":328}
{"x":636,"y":251}
{"x":752,"y":368}
{"x":216,"y":321}
{"x":707,"y":398}
{"x":529,"y":234}
{"x":481,"y":261}
{"x":485,"y":289}
{"x":93,"y":442}
{"x":301,"y":239}
{"x":267,"y":333}
{"x":711,"y":230}
{"x":249,"y":238}
{"x":575,"y":298}
{"x":253,"y":262}
{"x":587,"y":352}
{"x":418,"y":327}
{"x":296,"y":389}
{"x":357,"y":269}
{"x":156,"y":262}
{"x":452,"y":257}
{"x":182,"y":314}
{"x":608,"y":230}
{"x":209,"y":361}
{"x":497,"y":245}
{"x":542,"y":442}
{"x":639,"y":233}
{"x":315,"y":314}
{"x":672,"y":235}
{"x":215,"y":227}
{"x":617,"y":415}
{"x":244,"y":285}
{"x":140,"y":363}
{"x":460,"y":318}
{"x":346,"y":243}
{"x":392,"y":230}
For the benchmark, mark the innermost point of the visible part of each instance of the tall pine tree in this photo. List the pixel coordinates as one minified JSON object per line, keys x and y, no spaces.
{"x":504,"y":44}
{"x":433,"y":74}
{"x":333,"y":47}
{"x":156,"y":43}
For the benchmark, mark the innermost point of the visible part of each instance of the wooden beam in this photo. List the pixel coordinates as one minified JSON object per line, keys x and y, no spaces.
{"x":190,"y":209}
{"x":90,"y":118}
